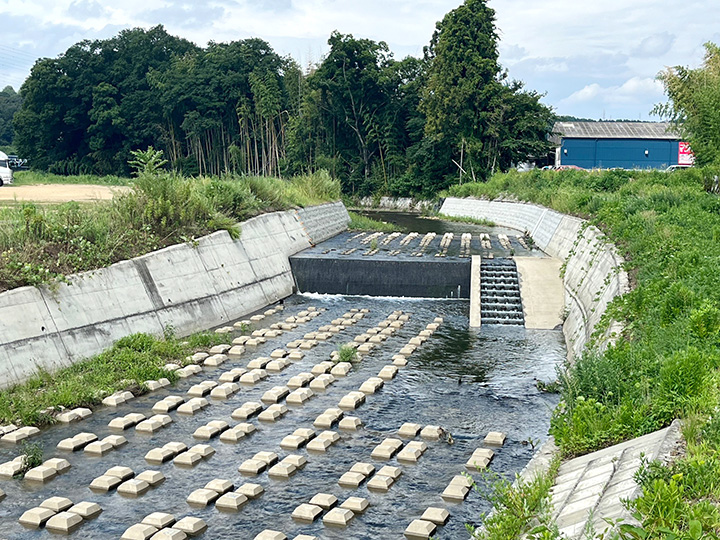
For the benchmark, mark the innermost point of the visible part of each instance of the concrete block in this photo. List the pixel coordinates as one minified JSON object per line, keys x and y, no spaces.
{"x":278,"y":353}
{"x":366,"y":469}
{"x":68,"y":416}
{"x":36,"y":517}
{"x":319,"y":445}
{"x":220,"y":485}
{"x":365,"y":348}
{"x":257,"y":318}
{"x":380,"y":483}
{"x":305,"y":537}
{"x":64,"y":522}
{"x":123,"y":473}
{"x":407,"y":350}
{"x":325,"y":501}
{"x":236,"y":351}
{"x":159,"y":520}
{"x":98,"y":448}
{"x":341,"y":369}
{"x":232,"y":435}
{"x":306,"y":513}
{"x":253,"y":376}
{"x":188,"y":371}
{"x":392,"y":472}
{"x":60,"y":465}
{"x":133,"y":488}
{"x":419,"y":529}
{"x":351,"y":479}
{"x":219,"y":349}
{"x":400,"y":361}
{"x":115,"y":440}
{"x":296,"y":460}
{"x":495,"y":438}
{"x":56,"y":504}
{"x":275,"y":394}
{"x":40,"y":474}
{"x":296,"y":355}
{"x":159,"y":455}
{"x":224,"y":390}
{"x":372,"y":385}
{"x":169,"y":533}
{"x":269,"y":534}
{"x":273,"y":413}
{"x":350,"y":423}
{"x":139,"y":531}
{"x":191,"y":526}
{"x":201,"y":389}
{"x":324,"y":421}
{"x":339,"y":517}
{"x":461,"y":480}
{"x":86,"y":510}
{"x":192,"y":406}
{"x":248,"y":409}
{"x":215,"y":360}
{"x":388,"y":372}
{"x":251,"y":491}
{"x":258,"y":363}
{"x":11,"y":468}
{"x":294,"y":344}
{"x":252,"y":467}
{"x":282,"y":470}
{"x":409,"y":430}
{"x":232,"y":501}
{"x":420,"y":445}
{"x":431,"y":433}
{"x":204,"y":450}
{"x":321,"y":382}
{"x":105,"y":483}
{"x":322,"y":367}
{"x":202,"y":497}
{"x":232,"y":376}
{"x":355,"y":504}
{"x":117,"y":399}
{"x":123,"y":422}
{"x":154,"y":478}
{"x":438,"y":516}
{"x":241,"y":340}
{"x":198,"y":357}
{"x":299,"y":396}
{"x":293,"y":442}
{"x":455,"y":493}
{"x":269,"y":458}
{"x":187,"y":459}
{"x":77,"y":442}
{"x":277,"y":366}
{"x":20,"y":434}
{"x":480,"y":459}
{"x":409,"y":455}
{"x":387,"y":449}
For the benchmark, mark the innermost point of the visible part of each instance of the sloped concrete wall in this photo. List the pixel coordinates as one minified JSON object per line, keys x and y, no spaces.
{"x":186,"y":287}
{"x":593,"y":269}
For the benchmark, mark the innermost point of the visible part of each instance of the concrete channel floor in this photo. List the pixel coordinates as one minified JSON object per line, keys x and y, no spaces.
{"x":590,"y":489}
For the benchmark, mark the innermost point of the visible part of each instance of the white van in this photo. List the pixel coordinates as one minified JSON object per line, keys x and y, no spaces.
{"x":6,"y":175}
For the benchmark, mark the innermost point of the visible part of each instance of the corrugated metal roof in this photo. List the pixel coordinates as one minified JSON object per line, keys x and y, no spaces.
{"x":615,"y":130}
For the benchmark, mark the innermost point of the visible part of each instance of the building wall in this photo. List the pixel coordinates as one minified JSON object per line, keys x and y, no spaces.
{"x":619,"y":153}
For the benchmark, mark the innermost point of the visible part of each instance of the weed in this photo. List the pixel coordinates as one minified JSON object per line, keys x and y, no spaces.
{"x":32,"y":456}
{"x":347,"y":354}
{"x":359,"y":222}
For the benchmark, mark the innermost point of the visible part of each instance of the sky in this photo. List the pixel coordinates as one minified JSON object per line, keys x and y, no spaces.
{"x":591,"y":59}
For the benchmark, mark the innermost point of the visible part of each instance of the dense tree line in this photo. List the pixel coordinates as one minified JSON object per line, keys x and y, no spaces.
{"x":10,"y":102}
{"x":410,"y":126}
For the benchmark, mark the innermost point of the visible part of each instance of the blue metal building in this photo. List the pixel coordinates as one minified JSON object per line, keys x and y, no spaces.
{"x":624,"y":145}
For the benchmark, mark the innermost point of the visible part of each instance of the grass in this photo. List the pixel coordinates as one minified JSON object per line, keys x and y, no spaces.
{"x":43,"y":243}
{"x":666,"y":364}
{"x":464,"y":219}
{"x":359,"y":222}
{"x":520,"y":507}
{"x":125,"y":366}
{"x":29,"y":178}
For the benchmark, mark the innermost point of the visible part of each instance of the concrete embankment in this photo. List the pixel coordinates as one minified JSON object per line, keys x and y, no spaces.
{"x":186,"y":287}
{"x":593,"y":274}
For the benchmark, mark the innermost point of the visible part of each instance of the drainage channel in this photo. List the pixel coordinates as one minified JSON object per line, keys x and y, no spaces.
{"x":434,"y":373}
{"x":500,"y":300}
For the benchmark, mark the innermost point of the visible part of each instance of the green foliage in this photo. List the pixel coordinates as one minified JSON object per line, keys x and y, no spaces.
{"x":465,"y":219}
{"x":44,"y":243}
{"x":359,"y":222}
{"x":346,"y":354}
{"x":32,"y":456}
{"x":694,"y":104}
{"x":10,"y":102}
{"x":149,"y":161}
{"x":515,"y":506}
{"x":26,"y":178}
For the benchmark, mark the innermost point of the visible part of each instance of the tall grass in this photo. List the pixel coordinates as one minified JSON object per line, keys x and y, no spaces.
{"x":42,"y":243}
{"x":26,"y":178}
{"x":359,"y":222}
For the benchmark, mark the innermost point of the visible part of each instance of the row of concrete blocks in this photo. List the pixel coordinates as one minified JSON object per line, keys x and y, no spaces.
{"x":49,"y":469}
{"x":336,"y":514}
{"x":160,"y":525}
{"x":181,"y":455}
{"x":253,"y":319}
{"x":126,"y":482}
{"x":263,"y":461}
{"x":59,"y":515}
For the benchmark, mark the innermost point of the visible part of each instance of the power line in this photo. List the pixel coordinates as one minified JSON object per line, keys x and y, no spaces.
{"x":17,"y":52}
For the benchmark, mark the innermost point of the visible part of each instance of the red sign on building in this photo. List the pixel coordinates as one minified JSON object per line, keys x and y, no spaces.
{"x":685,"y":155}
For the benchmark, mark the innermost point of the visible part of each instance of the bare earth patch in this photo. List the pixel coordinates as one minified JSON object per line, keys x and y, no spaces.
{"x":56,"y":193}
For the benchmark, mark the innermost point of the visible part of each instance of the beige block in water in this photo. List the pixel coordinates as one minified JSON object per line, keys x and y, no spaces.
{"x":153,"y":478}
{"x":232,"y":501}
{"x":187,"y":459}
{"x":251,"y":491}
{"x":56,"y":504}
{"x":350,"y":423}
{"x":352,"y":400}
{"x":455,"y":493}
{"x":273,"y":413}
{"x":321,"y":382}
{"x":438,"y":516}
{"x":351,"y":479}
{"x":372,"y":385}
{"x":341,"y":369}
{"x":432,"y":433}
{"x":322,"y":367}
{"x":20,"y":434}
{"x":420,"y":529}
{"x":306,"y":513}
{"x":252,"y":467}
{"x":400,"y":361}
{"x":269,"y":534}
{"x":139,"y":531}
{"x":133,"y":488}
{"x":275,"y":394}
{"x":191,"y":526}
{"x":215,"y":360}
{"x":325,"y":501}
{"x":296,"y":355}
{"x":409,"y":430}
{"x":282,"y":470}
{"x":480,"y":459}
{"x":388,"y":372}
{"x":258,"y":363}
{"x":248,"y":409}
{"x":105,"y":483}
{"x":123,"y":473}
{"x":495,"y":438}
{"x":36,"y":517}
{"x":59,"y":464}
{"x":64,"y":522}
{"x":202,"y":497}
{"x":319,"y":445}
{"x":224,"y":391}
{"x":86,"y":510}
{"x":233,"y":375}
{"x":220,"y":485}
{"x":380,"y":483}
{"x":40,"y":474}
{"x":339,"y":517}
{"x":366,"y":469}
{"x":355,"y":504}
{"x":299,"y":396}
{"x":409,"y":455}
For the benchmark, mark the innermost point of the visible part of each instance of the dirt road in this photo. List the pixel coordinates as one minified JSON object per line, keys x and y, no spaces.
{"x":56,"y":193}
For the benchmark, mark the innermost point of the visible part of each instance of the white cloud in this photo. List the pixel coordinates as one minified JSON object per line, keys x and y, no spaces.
{"x":634,"y":90}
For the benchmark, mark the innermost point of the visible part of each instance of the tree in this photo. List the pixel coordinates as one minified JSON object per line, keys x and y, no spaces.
{"x":694,"y":105}
{"x":468,"y":102}
{"x":10,"y":102}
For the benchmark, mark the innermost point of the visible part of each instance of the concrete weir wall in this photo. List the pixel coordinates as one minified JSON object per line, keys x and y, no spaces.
{"x":186,"y":287}
{"x":593,"y":269}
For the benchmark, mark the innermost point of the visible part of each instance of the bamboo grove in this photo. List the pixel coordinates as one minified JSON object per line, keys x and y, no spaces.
{"x":410,"y":126}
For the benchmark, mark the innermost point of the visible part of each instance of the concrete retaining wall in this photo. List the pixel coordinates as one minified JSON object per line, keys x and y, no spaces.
{"x":188,"y":287}
{"x":593,"y":269}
